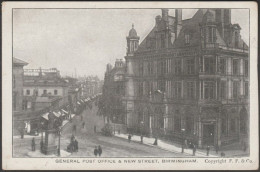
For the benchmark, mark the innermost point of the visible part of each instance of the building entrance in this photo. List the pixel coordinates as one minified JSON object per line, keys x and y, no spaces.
{"x":208,"y":134}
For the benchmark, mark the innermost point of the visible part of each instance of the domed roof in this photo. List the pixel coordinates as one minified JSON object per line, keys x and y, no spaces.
{"x":132,"y":32}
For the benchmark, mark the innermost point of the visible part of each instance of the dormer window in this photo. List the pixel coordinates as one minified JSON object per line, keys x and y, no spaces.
{"x":212,"y":35}
{"x":236,"y":39}
{"x":187,"y":38}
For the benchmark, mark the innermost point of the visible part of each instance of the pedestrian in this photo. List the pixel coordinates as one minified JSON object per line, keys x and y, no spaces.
{"x":129,"y":138}
{"x":118,"y":131}
{"x":33,"y":144}
{"x":155,"y":141}
{"x":141,"y":138}
{"x":74,"y":128}
{"x":81,"y":117}
{"x":83,"y":125}
{"x":95,"y":129}
{"x":22,"y":134}
{"x":76,"y":145}
{"x":194,"y":149}
{"x":41,"y":144}
{"x":217,"y":148}
{"x":208,"y":148}
{"x":95,"y":151}
{"x":99,"y":150}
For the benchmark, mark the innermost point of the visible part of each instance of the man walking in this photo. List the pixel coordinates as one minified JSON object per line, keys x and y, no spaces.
{"x":33,"y":144}
{"x":95,"y":151}
{"x":208,"y":148}
{"x":76,"y":145}
{"x":129,"y":138}
{"x":194,"y":149}
{"x":217,"y":148}
{"x":83,"y":125}
{"x":99,"y":150}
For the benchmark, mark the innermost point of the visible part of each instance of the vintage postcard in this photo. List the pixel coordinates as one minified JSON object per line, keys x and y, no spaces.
{"x":130,"y":86}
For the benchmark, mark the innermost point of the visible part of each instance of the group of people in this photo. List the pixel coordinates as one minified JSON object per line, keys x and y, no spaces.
{"x":98,"y":151}
{"x":73,"y":146}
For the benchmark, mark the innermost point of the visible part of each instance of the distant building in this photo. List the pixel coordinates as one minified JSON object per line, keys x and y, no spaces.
{"x":91,"y":85}
{"x":43,"y":83}
{"x":18,"y":84}
{"x":189,"y":77}
{"x":114,"y":92}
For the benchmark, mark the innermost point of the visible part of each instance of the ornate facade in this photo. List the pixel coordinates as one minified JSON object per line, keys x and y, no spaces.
{"x":189,"y":77}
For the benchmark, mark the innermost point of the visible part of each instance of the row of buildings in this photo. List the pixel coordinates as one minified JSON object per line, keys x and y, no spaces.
{"x":187,"y":77}
{"x":38,"y":91}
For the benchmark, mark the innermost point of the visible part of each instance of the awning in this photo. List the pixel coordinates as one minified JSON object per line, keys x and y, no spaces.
{"x":45,"y":116}
{"x":64,"y":111}
{"x":57,"y":114}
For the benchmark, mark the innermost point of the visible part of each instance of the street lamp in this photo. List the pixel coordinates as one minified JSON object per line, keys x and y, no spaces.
{"x":141,"y":127}
{"x":59,"y":132}
{"x":114,"y":118}
{"x":182,"y":147}
{"x":42,"y":126}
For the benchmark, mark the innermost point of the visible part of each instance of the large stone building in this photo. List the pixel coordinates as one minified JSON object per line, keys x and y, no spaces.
{"x":114,"y":91}
{"x":189,"y":77}
{"x":18,"y":84}
{"x":44,"y":83}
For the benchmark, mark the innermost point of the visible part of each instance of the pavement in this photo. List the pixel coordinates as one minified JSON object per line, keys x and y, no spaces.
{"x":38,"y":153}
{"x":163,"y":145}
{"x":26,"y":136}
{"x":230,"y":151}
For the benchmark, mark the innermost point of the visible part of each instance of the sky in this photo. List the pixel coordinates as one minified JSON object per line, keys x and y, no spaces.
{"x":84,"y":41}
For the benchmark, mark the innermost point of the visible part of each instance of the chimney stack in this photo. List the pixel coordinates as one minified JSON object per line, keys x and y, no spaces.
{"x":178,"y":21}
{"x":165,"y":14}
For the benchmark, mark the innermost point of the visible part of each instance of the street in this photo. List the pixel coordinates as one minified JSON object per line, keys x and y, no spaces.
{"x":88,"y":139}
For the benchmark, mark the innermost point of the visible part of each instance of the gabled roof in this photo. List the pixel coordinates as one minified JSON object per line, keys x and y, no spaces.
{"x":19,"y":62}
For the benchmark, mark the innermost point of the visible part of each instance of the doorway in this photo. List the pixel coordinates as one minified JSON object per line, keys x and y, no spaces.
{"x":208,"y":134}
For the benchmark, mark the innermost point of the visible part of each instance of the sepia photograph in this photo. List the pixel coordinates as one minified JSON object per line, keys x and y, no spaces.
{"x":104,"y":84}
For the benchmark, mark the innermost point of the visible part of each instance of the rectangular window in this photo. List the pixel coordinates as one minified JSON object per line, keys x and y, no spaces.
{"x":222,"y":66}
{"x":224,"y":126}
{"x":190,"y":66}
{"x":246,"y":67}
{"x":223,"y":90}
{"x":177,"y":66}
{"x":178,"y":90}
{"x":235,"y":89}
{"x":246,"y":89}
{"x":36,"y":92}
{"x":27,"y":92}
{"x":162,"y":41}
{"x":150,"y":68}
{"x":187,"y":38}
{"x":177,"y":123}
{"x":162,"y":84}
{"x":191,"y":90}
{"x":140,"y":88}
{"x":235,"y":67}
{"x":209,"y":88}
{"x":55,"y":92}
{"x":209,"y":65}
{"x":212,"y":35}
{"x":141,"y":69}
{"x":232,"y":125}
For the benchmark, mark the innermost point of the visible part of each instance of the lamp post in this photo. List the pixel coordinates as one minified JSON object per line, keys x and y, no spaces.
{"x":41,"y":143}
{"x":141,"y":127}
{"x":114,"y":118}
{"x":59,"y":132}
{"x":182,"y":147}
